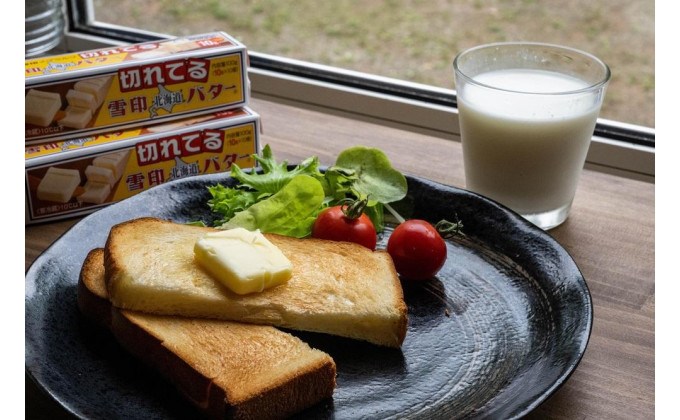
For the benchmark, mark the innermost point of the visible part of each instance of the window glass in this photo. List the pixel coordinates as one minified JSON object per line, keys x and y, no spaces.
{"x":416,"y":40}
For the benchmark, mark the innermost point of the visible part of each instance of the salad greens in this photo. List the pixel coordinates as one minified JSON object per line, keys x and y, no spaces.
{"x":291,"y":211}
{"x":274,"y":176}
{"x":287,"y":202}
{"x":229,"y":201}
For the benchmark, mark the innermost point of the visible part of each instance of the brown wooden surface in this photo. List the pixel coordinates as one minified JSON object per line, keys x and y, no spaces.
{"x":609,"y":233}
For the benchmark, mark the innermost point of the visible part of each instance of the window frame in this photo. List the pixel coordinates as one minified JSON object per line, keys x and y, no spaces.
{"x":619,"y":148}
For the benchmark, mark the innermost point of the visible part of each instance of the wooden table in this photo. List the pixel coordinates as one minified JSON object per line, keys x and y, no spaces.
{"x":609,"y":233}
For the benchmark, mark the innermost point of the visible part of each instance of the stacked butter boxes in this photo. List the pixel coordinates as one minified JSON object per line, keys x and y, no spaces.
{"x":104,"y":125}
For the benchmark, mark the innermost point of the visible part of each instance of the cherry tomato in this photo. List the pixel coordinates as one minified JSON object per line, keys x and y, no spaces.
{"x":417,"y":249}
{"x":334,"y":225}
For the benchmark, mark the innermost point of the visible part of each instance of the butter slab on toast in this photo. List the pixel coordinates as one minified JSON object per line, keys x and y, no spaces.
{"x":227,"y":369}
{"x":338,"y":288}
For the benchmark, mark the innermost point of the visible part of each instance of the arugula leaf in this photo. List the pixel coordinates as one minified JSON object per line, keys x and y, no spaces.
{"x":290,"y":212}
{"x":274,"y":176}
{"x":375,"y":178}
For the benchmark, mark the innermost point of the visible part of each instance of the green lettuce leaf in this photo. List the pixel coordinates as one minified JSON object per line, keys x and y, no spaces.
{"x":373,"y":175}
{"x":229,"y":201}
{"x":291,"y":211}
{"x":274,"y":176}
{"x":337,"y":185}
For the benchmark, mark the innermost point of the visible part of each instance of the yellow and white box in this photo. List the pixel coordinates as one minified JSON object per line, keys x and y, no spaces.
{"x":78,"y":176}
{"x":96,"y":91}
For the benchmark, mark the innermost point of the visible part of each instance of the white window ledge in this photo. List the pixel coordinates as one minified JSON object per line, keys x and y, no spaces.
{"x":606,"y":155}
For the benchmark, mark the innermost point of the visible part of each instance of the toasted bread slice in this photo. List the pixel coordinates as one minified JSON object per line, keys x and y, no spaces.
{"x":337,"y":288}
{"x":227,"y":369}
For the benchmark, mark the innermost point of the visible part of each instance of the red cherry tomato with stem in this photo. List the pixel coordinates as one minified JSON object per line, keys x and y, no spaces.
{"x":417,"y":249}
{"x":345,"y":223}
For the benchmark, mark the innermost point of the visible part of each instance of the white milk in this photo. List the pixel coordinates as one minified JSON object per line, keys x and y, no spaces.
{"x":526,"y":150}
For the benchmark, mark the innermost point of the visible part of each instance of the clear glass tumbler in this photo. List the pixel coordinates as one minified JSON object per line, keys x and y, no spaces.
{"x":527,"y":112}
{"x":44,"y":26}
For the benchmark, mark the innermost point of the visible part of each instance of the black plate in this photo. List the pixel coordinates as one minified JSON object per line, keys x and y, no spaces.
{"x":502,"y":326}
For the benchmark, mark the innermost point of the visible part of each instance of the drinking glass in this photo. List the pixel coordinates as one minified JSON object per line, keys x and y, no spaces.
{"x":527,"y":112}
{"x":44,"y":26}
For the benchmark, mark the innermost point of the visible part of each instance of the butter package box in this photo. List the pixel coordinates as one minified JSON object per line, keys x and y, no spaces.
{"x":78,"y":176}
{"x":80,"y":94}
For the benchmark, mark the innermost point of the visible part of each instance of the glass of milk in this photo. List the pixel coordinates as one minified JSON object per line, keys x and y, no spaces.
{"x":527,"y":112}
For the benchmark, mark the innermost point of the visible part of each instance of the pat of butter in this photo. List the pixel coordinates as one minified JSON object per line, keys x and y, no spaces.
{"x":244,"y":261}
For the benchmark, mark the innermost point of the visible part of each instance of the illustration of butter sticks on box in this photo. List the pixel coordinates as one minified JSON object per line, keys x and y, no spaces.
{"x":83,"y":101}
{"x":60,"y":185}
{"x":102,"y":175}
